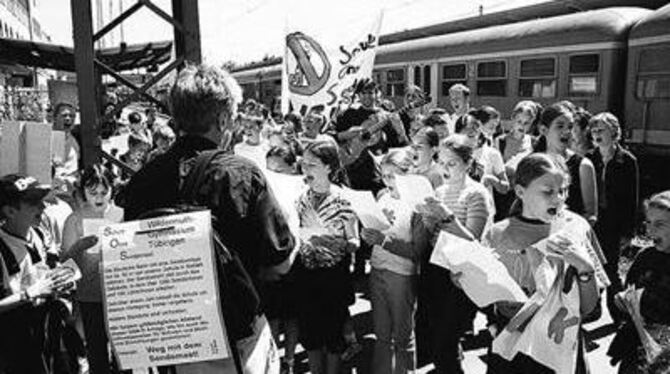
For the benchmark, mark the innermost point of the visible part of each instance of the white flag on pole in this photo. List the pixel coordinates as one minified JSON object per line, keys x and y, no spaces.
{"x":320,"y":69}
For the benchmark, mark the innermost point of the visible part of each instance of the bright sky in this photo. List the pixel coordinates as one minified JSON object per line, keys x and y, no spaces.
{"x":247,"y":30}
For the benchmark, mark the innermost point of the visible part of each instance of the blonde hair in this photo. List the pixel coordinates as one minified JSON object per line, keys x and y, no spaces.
{"x":397,"y":158}
{"x":660,"y":200}
{"x":609,"y":120}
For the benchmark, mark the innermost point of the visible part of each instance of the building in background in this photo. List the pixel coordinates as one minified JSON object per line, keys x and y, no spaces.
{"x":20,"y":19}
{"x":104,"y":11}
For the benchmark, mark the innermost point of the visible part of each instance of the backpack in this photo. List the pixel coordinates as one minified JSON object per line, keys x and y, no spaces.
{"x":240,"y":301}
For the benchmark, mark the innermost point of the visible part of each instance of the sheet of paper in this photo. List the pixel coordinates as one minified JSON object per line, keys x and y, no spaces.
{"x":168,"y":262}
{"x":414,"y":189}
{"x":367,"y":209}
{"x":11,"y":146}
{"x":286,"y":188}
{"x":92,"y":227}
{"x":72,"y":268}
{"x":308,"y":232}
{"x":38,"y":151}
{"x":483,"y":277}
{"x":116,"y":145}
{"x":58,"y":146}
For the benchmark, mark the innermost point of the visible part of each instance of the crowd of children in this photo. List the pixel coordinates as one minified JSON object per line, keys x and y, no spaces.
{"x":553,"y":175}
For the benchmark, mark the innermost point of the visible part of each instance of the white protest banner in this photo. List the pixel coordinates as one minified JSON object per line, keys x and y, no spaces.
{"x":25,"y":147}
{"x":160,"y":291}
{"x":11,"y":145}
{"x":368,"y":211}
{"x":483,"y":277}
{"x":320,"y":69}
{"x":38,"y":151}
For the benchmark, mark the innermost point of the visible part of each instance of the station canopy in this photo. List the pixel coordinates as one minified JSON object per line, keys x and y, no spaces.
{"x":58,"y":57}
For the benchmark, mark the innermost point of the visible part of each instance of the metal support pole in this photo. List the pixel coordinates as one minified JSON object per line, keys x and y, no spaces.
{"x":82,"y":23}
{"x":187,"y":44}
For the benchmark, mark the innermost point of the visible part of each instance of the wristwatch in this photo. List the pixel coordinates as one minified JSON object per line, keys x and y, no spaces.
{"x":447,"y":220}
{"x":585,"y":277}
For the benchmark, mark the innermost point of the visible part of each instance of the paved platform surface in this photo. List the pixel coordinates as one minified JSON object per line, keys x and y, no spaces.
{"x":600,"y":332}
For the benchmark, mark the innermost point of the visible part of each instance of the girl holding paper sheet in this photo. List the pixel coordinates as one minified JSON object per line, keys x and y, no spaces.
{"x":393,"y":279}
{"x":464,"y":208}
{"x":541,"y":186}
{"x":95,"y":202}
{"x":322,"y":272}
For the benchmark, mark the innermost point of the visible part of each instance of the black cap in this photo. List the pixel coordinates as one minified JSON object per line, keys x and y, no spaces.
{"x":17,"y":187}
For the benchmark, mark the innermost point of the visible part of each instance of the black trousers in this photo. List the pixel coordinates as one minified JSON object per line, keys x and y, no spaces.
{"x":444,"y":314}
{"x":610,"y":242}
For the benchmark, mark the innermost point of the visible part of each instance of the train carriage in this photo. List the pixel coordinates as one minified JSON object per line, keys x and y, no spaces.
{"x":648,"y":83}
{"x":578,"y":57}
{"x":647,"y":97}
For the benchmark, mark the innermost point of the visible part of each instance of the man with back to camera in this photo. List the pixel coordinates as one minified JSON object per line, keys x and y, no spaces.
{"x":204,"y":101}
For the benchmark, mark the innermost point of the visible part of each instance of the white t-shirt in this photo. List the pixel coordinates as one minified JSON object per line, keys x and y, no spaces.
{"x":255,"y":153}
{"x":401,"y":229}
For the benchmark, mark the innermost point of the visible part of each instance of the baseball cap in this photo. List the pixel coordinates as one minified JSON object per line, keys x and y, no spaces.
{"x":17,"y":187}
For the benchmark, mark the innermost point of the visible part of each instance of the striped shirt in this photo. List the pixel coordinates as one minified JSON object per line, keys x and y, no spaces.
{"x":468,"y":202}
{"x":332,"y":215}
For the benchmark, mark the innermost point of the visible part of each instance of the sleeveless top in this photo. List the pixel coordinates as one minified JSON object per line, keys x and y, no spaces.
{"x":575,"y":201}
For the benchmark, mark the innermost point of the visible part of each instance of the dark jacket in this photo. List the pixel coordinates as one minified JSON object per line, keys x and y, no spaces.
{"x":234,"y":189}
{"x":618,"y":189}
{"x":651,"y":271}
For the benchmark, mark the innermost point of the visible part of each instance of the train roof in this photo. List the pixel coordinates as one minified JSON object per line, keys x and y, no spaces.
{"x":590,"y":29}
{"x":655,"y":26}
{"x":525,"y":13}
{"x":608,"y":25}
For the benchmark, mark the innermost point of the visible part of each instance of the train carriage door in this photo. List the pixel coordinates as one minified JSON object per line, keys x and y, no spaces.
{"x":425,"y":76}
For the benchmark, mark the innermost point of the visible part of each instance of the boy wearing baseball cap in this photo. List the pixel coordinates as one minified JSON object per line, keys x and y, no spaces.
{"x":21,"y":284}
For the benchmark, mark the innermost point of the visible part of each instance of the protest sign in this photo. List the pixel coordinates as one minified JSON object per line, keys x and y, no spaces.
{"x":320,"y":69}
{"x":483,"y":277}
{"x":25,"y":147}
{"x":160,"y":291}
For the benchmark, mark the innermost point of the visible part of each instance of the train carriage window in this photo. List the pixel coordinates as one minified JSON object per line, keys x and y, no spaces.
{"x":492,"y":78}
{"x":395,"y":82}
{"x":451,"y":75}
{"x":537,"y":77}
{"x":653,"y":78}
{"x":584,"y":74}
